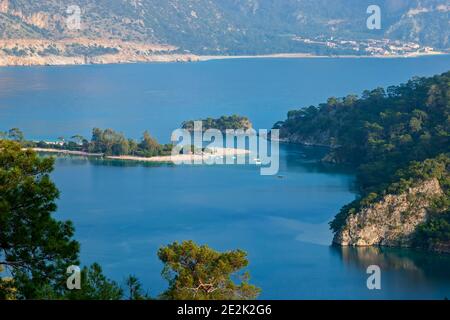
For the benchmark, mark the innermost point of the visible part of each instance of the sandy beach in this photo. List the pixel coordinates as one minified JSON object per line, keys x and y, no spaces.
{"x":308,"y":55}
{"x":185,"y":158}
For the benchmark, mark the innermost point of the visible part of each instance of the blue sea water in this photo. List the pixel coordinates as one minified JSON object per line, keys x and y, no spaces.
{"x":124,"y":212}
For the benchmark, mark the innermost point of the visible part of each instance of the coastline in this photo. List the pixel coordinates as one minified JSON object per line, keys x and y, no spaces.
{"x":308,"y":55}
{"x":184,"y":158}
{"x":65,"y":152}
{"x":8,"y":61}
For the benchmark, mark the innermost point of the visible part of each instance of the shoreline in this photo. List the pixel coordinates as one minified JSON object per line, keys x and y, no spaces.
{"x":184,"y":158}
{"x":186,"y":58}
{"x":312,"y":56}
{"x":65,"y":152}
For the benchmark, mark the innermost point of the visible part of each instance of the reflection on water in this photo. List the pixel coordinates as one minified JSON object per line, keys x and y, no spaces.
{"x":292,"y":157}
{"x":402,"y":268}
{"x":384,"y":258}
{"x":97,"y":161}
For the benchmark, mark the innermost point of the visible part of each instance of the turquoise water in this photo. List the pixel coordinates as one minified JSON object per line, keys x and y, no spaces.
{"x":48,"y":102}
{"x":124,"y":213}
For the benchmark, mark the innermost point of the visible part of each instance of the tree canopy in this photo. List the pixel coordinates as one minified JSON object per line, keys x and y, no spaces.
{"x":95,"y":286}
{"x":395,"y":138}
{"x":107,"y":142}
{"x":223,"y":123}
{"x":201,"y":273}
{"x":34,"y":247}
{"x":382,"y":131}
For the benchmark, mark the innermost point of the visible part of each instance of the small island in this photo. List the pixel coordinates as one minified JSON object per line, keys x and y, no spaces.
{"x":222,"y":124}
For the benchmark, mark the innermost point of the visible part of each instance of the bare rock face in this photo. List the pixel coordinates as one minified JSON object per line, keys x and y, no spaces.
{"x":38,"y":19}
{"x":26,"y":52}
{"x":392,"y":221}
{"x":4,"y":6}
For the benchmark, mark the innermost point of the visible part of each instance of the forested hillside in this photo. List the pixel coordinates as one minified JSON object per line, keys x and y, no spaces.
{"x":380,"y":131}
{"x":231,"y":26}
{"x":397,"y":138}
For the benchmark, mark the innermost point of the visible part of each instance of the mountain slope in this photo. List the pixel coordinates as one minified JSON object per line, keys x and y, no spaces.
{"x":229,"y":26}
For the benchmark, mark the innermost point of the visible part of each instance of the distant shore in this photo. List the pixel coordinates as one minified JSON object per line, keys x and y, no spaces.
{"x":307,"y":55}
{"x":8,"y":61}
{"x":185,"y":158}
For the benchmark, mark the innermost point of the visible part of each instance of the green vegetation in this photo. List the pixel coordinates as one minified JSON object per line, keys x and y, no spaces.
{"x":223,"y":123}
{"x":434,"y":232}
{"x":395,"y":138}
{"x":380,"y":132}
{"x":16,"y":52}
{"x":438,"y":168}
{"x":51,"y":50}
{"x":134,"y":289}
{"x":235,"y":27}
{"x":198,"y":272}
{"x":36,"y":249}
{"x":109,"y":142}
{"x":90,"y":51}
{"x":105,"y":142}
{"x":13,"y":134}
{"x":95,"y":286}
{"x":33,"y":246}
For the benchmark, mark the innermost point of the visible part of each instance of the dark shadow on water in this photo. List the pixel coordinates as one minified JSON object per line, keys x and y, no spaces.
{"x":79,"y":160}
{"x":310,"y":157}
{"x":128,"y":163}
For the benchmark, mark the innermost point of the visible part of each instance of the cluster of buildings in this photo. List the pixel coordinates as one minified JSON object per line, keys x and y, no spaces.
{"x":371,"y":47}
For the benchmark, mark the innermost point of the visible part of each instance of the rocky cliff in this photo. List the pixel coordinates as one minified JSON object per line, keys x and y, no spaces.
{"x":233,"y":27}
{"x":391,"y":221}
{"x":85,"y":51}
